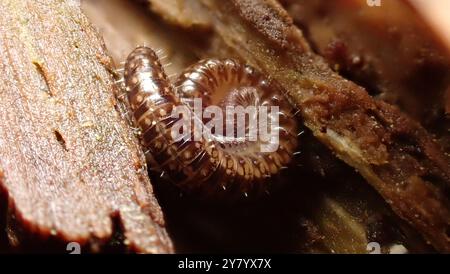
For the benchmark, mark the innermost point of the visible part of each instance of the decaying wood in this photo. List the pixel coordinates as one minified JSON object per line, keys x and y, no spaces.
{"x":69,"y":161}
{"x":189,"y":14}
{"x":394,"y":153}
{"x":348,"y":34}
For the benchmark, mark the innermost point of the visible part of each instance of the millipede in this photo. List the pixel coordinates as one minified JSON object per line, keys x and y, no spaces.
{"x":211,"y":164}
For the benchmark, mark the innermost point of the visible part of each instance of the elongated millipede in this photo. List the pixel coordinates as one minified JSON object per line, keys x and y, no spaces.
{"x":212,"y":163}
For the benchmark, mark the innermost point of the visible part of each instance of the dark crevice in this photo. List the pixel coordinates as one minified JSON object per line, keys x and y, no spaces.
{"x":410,"y":145}
{"x":377,"y":117}
{"x":60,"y":140}
{"x":437,"y":181}
{"x":42,"y":72}
{"x":4,"y":244}
{"x":116,"y":244}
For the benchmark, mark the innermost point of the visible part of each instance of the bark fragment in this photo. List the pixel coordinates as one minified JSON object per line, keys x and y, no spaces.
{"x":188,"y":14}
{"x":373,"y":47}
{"x":69,"y":161}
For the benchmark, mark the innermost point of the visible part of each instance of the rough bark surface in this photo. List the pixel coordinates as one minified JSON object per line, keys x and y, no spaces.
{"x":69,"y":161}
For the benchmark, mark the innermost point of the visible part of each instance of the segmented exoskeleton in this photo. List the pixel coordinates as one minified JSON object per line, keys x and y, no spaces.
{"x":214,"y":163}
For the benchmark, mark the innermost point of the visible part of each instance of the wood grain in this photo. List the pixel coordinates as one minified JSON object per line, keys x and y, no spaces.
{"x":70,"y":163}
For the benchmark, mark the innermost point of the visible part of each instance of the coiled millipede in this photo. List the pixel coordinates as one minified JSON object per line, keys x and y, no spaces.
{"x":212,"y":163}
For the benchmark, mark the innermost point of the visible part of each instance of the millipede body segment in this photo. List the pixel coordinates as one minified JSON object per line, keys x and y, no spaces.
{"x":213,"y":163}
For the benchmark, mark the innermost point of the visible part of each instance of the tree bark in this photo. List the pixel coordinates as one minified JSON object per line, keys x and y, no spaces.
{"x":70,"y":164}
